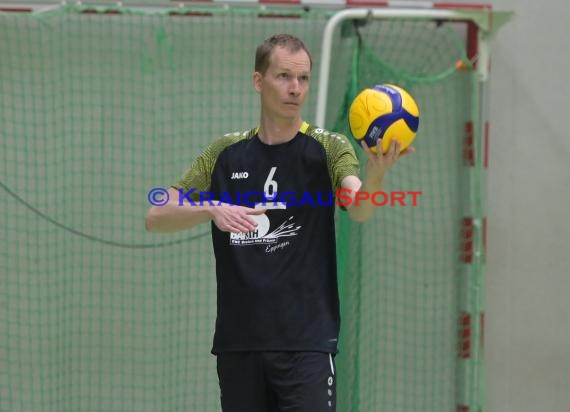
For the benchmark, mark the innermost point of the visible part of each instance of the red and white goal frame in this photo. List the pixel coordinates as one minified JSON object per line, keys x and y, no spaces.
{"x":481,"y":23}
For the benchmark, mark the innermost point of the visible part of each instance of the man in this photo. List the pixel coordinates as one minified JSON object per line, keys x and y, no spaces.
{"x":266,"y":192}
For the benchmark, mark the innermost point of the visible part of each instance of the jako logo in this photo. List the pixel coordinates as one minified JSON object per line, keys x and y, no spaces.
{"x":240,"y":175}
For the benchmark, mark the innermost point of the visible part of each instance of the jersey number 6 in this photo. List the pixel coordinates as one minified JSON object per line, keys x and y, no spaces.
{"x":270,"y":186}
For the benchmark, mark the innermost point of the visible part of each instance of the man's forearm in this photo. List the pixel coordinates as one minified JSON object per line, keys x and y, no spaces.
{"x":362,"y":207}
{"x":173,"y":218}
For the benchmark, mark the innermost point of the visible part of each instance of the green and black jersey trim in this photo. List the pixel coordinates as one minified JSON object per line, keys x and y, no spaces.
{"x":340,"y":156}
{"x":199,"y":174}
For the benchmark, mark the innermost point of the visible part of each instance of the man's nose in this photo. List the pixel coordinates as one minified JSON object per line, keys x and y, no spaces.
{"x":294,"y":89}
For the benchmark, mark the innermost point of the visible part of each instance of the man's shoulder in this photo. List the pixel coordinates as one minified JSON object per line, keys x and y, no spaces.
{"x":229,"y":139}
{"x":329,"y":139}
{"x":235,"y":136}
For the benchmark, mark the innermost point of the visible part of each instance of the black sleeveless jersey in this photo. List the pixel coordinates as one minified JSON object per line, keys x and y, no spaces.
{"x":276,"y":286}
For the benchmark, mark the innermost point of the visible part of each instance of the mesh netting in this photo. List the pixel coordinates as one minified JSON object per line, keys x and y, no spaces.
{"x":400,"y":282}
{"x":96,"y":109}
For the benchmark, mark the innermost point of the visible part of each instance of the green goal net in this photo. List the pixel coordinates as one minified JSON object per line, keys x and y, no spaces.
{"x":99,"y":107}
{"x":401,"y":271}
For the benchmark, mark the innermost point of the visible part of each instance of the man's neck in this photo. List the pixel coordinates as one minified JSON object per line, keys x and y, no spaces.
{"x":272,"y":132}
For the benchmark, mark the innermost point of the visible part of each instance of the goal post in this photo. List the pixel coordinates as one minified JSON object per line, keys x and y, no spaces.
{"x":479,"y":25}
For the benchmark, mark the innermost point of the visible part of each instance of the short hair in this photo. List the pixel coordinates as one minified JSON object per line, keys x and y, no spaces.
{"x":265,"y":49}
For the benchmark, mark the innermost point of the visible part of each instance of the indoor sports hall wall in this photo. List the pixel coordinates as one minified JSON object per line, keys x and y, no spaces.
{"x":528,"y":266}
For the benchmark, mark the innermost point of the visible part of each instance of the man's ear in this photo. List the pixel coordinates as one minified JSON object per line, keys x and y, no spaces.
{"x":257,"y":81}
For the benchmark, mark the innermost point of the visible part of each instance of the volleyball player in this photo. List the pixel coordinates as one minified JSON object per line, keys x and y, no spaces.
{"x":278,"y":316}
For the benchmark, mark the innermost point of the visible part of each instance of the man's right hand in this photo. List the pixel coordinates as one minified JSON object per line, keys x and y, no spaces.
{"x":174,"y":217}
{"x":233,"y":218}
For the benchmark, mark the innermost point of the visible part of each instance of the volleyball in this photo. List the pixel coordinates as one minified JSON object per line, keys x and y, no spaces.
{"x":384,"y":112}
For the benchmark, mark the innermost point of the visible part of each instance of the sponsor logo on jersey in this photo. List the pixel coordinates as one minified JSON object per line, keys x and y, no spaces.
{"x":263,"y":235}
{"x":239,"y":175}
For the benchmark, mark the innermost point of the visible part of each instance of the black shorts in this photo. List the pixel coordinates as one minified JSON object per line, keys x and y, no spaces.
{"x":277,"y":382}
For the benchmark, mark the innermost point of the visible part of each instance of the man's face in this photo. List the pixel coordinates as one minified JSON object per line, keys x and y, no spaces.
{"x":285,"y":84}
